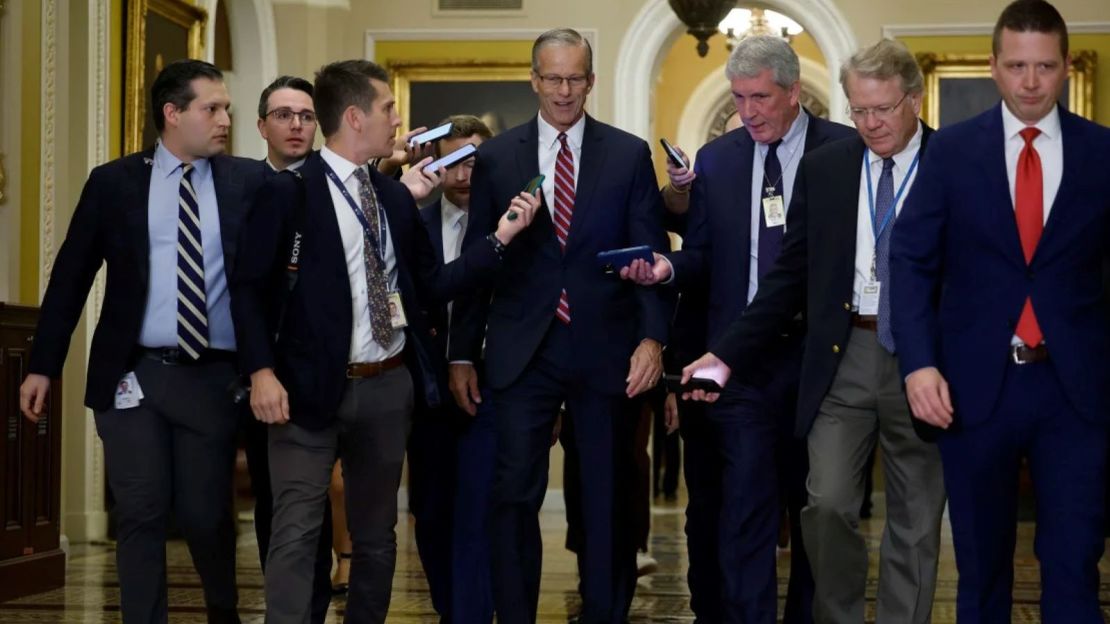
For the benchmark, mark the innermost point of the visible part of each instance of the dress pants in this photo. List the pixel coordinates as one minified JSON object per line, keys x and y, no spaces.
{"x":732,"y":518}
{"x":525,"y":414}
{"x":866,"y":403}
{"x":368,"y":433}
{"x":1067,"y":461}
{"x":173,"y":453}
{"x":256,"y":444}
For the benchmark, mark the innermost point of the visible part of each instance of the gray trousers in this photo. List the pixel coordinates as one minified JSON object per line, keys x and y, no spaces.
{"x":866,"y":403}
{"x":173,"y":453}
{"x":369,"y":434}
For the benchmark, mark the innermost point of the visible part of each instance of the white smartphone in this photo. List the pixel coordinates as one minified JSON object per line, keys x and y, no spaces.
{"x":434,"y":134}
{"x":452,"y":159}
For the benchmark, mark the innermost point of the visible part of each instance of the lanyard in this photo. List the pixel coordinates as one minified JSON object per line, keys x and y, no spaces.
{"x":373,"y":237}
{"x":877,"y":229}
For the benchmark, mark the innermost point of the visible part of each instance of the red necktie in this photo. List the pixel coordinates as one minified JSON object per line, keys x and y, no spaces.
{"x":564,"y":208}
{"x":1029,"y":211}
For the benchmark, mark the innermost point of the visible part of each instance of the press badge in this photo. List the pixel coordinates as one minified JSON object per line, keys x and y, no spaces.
{"x":869,"y":298}
{"x":397,"y":311}
{"x":773,"y":211}
{"x":128,"y":392}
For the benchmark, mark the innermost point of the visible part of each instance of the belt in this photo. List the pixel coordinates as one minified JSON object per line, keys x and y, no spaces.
{"x":866,"y":321}
{"x":176,"y":357}
{"x":365,"y":370}
{"x":1021,"y":354}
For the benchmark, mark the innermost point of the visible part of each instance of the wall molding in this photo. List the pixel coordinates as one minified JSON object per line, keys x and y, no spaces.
{"x":48,"y":166}
{"x":894,"y":31}
{"x":316,"y":4}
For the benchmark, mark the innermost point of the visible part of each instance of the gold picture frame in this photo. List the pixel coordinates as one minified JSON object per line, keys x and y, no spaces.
{"x":405,"y":74}
{"x":157,"y":31}
{"x":948,"y":67}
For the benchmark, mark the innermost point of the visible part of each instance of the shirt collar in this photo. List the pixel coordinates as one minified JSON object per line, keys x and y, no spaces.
{"x":904,"y":158}
{"x":794,"y":134}
{"x":291,"y":167}
{"x":1049,"y":125}
{"x":342,"y":167}
{"x":451,"y":213}
{"x":167,"y":164}
{"x":549,"y":135}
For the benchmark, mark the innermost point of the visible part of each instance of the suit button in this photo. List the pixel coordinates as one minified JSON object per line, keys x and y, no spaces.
{"x":432,"y":331}
{"x":847,"y":306}
{"x":836,"y":348}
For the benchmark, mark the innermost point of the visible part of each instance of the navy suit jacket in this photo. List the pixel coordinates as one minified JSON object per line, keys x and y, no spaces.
{"x":959,"y":278}
{"x":110,"y":225}
{"x":314,"y":340}
{"x":717,"y":247}
{"x":617,"y":204}
{"x":432,"y":216}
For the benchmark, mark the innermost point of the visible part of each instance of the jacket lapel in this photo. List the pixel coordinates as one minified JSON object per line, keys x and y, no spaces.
{"x":435,"y":228}
{"x":136,"y":196}
{"x":542,"y":229}
{"x":229,"y":205}
{"x":1073,"y":165}
{"x":997,"y":184}
{"x":739,"y":194}
{"x":590,"y":168}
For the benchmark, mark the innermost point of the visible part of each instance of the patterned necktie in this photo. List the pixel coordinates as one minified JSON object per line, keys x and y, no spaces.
{"x":770,"y":238}
{"x":884,"y":203}
{"x":192,"y":307}
{"x":1029,"y":212}
{"x":376,"y":289}
{"x":564,"y":209}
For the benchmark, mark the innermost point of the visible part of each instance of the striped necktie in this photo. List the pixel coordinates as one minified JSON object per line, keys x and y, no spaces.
{"x":192,"y":307}
{"x":564,"y":209}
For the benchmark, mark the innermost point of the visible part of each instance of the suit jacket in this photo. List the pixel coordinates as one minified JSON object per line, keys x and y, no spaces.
{"x":616,"y":205}
{"x":313,"y":348}
{"x":109,"y":226}
{"x":717,"y":248}
{"x":432,"y":216}
{"x":814,"y":274}
{"x":960,"y":280}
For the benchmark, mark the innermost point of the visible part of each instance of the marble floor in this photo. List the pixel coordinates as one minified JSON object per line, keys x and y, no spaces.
{"x":91,"y":594}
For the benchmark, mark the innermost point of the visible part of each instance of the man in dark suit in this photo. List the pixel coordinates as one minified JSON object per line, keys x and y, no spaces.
{"x":834,"y":269}
{"x":451,"y":451}
{"x":734,"y":511}
{"x":337,"y":380}
{"x":1000,"y":316}
{"x":165,"y":221}
{"x":287,"y":122}
{"x":560,"y":330}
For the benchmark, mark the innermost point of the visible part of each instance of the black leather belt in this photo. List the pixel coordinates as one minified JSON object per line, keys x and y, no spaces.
{"x":1021,"y":354}
{"x":177,"y":357}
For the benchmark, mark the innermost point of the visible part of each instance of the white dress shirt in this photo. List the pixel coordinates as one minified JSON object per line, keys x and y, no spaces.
{"x":549,"y":150}
{"x":292,"y":166}
{"x":865,"y":234}
{"x":363,"y":347}
{"x":789,"y":154}
{"x":453,"y":223}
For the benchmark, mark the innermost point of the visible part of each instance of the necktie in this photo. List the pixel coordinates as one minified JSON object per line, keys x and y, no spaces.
{"x":192,"y":307}
{"x":770,"y":238}
{"x":380,"y":325}
{"x":1029,"y":212}
{"x":884,"y":203}
{"x":564,"y":209}
{"x":461,"y":234}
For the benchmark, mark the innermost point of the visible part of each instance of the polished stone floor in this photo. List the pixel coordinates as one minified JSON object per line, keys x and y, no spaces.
{"x":91,"y":594}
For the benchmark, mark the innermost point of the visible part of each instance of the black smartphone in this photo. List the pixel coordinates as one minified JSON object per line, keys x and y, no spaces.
{"x":613,"y":260}
{"x":451,"y":159}
{"x":533,"y":185}
{"x":673,"y":154}
{"x":434,"y":134}
{"x":674,"y":384}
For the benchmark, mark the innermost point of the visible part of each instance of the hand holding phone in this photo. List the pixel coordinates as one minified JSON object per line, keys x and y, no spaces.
{"x":613,"y":260}
{"x":533,"y":185}
{"x":432,"y":135}
{"x":673,"y":154}
{"x":675,"y":385}
{"x":451,"y":159}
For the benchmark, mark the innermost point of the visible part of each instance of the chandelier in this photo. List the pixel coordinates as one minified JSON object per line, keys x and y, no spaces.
{"x":742,"y":23}
{"x":702,"y":18}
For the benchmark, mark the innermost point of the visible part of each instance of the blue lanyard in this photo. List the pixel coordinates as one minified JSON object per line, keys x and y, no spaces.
{"x":375,"y":239}
{"x":878,"y":230}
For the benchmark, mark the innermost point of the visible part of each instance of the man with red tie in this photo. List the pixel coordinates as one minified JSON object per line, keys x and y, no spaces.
{"x":999,"y":313}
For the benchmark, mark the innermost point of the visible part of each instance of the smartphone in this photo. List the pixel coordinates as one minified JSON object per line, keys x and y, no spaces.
{"x":675,"y":385}
{"x":533,"y":185}
{"x":434,"y":134}
{"x":673,"y":154}
{"x":614,"y":260}
{"x":451,"y":159}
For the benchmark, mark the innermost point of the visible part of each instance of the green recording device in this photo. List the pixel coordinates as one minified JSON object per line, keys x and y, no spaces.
{"x":531,"y":188}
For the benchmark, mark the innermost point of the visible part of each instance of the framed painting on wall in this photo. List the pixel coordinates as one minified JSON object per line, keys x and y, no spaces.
{"x":959,"y":86}
{"x":158,"y":32}
{"x":428,"y":91}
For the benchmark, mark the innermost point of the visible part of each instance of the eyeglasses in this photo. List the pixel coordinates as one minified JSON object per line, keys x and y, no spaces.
{"x":554,"y":81}
{"x":882,"y":113}
{"x":285,"y":116}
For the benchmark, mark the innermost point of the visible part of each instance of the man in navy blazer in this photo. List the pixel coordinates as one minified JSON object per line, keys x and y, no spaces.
{"x":561,"y":330}
{"x":1000,"y":318}
{"x":734,"y":450}
{"x":335,"y":361}
{"x":166,"y":222}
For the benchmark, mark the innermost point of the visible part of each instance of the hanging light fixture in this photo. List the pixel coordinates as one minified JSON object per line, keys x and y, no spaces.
{"x":702,"y":18}
{"x":741,"y":23}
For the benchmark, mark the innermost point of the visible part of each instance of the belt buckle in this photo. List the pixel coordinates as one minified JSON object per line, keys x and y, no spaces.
{"x":349,"y":375}
{"x":170,"y":356}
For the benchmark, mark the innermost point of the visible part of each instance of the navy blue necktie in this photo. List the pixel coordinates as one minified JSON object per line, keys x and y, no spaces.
{"x":770,"y":238}
{"x":192,"y":306}
{"x":884,"y":203}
